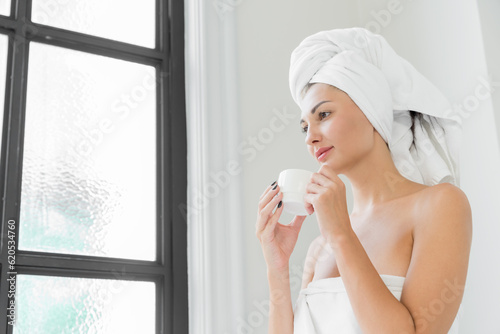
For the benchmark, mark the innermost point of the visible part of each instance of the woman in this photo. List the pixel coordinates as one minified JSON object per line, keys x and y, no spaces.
{"x":398,"y":262}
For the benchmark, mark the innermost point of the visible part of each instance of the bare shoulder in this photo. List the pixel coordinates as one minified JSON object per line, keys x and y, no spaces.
{"x":441,"y":203}
{"x":442,"y":236}
{"x":442,"y":209}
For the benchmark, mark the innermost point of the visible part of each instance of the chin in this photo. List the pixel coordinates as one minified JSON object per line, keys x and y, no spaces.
{"x":326,"y":163}
{"x":330,"y":165}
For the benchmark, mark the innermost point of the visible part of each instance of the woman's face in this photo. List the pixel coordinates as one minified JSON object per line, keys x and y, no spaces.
{"x":337,"y":131}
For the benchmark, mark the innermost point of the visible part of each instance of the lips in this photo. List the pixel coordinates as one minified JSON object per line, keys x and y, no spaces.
{"x":322,"y":152}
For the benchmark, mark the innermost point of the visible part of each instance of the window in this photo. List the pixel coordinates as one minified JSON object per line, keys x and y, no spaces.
{"x":4,"y":7}
{"x":3,"y":75}
{"x":93,"y":167}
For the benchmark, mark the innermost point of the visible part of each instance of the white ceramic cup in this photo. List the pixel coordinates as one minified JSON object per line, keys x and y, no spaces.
{"x":292,"y":183}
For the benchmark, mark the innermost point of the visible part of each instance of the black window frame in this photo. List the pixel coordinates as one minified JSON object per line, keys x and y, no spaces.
{"x":169,"y":272}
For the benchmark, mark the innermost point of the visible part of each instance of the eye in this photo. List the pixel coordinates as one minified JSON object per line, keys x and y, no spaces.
{"x":323,"y":114}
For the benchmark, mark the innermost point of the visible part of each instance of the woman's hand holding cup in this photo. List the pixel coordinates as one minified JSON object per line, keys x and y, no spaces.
{"x":277,"y":240}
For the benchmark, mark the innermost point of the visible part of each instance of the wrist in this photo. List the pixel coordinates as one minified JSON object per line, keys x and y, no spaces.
{"x":340,"y":238}
{"x":282,"y":273}
{"x":279,"y":281}
{"x":279,"y":287}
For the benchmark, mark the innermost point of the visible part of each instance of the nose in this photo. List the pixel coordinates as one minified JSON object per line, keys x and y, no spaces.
{"x":313,"y":135}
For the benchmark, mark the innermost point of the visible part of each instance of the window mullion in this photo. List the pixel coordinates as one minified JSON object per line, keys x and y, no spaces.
{"x":87,"y":264}
{"x":92,"y":44}
{"x":15,"y":111}
{"x":173,"y":121}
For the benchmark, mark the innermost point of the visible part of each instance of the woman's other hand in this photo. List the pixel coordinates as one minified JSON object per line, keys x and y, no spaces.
{"x":277,"y":240}
{"x":326,"y":195}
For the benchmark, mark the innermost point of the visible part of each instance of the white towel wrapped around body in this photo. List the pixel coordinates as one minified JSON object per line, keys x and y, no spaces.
{"x":385,"y":87}
{"x":324,"y":308}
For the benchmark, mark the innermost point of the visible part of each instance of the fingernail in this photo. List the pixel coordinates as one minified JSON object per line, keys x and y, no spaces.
{"x":273,"y":183}
{"x":279,"y":204}
{"x":275,"y":187}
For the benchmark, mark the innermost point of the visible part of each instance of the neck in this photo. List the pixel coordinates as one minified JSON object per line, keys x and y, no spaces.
{"x":375,"y":179}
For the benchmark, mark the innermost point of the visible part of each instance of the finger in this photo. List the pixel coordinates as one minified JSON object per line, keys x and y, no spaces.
{"x":269,"y":187}
{"x":308,"y":199}
{"x":296,"y":223}
{"x":320,"y":179}
{"x":268,"y":196}
{"x":309,"y":209}
{"x":329,"y":173}
{"x":313,"y":188}
{"x":266,"y":213}
{"x":276,"y":216}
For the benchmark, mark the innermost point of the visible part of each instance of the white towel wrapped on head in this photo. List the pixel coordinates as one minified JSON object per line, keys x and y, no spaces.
{"x":385,"y":87}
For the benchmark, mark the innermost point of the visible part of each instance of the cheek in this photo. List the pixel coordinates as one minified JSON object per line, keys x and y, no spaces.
{"x":364,"y":130}
{"x":339,"y":130}
{"x":348,"y":133}
{"x":361,"y":125}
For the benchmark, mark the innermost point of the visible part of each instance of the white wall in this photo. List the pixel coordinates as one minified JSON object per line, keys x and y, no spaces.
{"x":442,"y":39}
{"x":485,"y":273}
{"x":489,"y":11}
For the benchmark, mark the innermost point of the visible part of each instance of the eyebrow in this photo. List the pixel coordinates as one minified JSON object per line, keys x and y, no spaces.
{"x":313,"y":110}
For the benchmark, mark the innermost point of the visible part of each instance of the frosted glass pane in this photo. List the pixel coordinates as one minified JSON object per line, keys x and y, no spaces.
{"x":89,"y":168}
{"x":129,"y":21}
{"x":61,"y":305}
{"x":5,"y":7}
{"x":3,"y":76}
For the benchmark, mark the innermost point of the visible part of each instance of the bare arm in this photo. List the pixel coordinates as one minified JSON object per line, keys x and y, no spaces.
{"x":280,"y":303}
{"x":281,"y":309}
{"x":436,"y":277}
{"x":438,"y":270}
{"x":277,"y":242}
